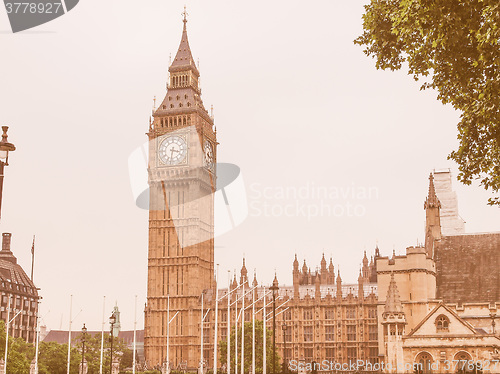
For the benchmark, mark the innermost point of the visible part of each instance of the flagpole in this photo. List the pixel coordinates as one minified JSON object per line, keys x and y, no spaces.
{"x":69,"y":332}
{"x":253,"y":331}
{"x":37,"y":337}
{"x":264,"y":360}
{"x":135,"y":329}
{"x":228,"y":344}
{"x":236,"y":334}
{"x":7,"y":335}
{"x":216,"y":317}
{"x":102,"y":335}
{"x":201,"y":336}
{"x":243,"y":331}
{"x":32,"y":257}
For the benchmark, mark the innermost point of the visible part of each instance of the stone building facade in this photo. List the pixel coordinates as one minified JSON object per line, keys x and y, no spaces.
{"x":419,"y":331}
{"x":19,"y":294}
{"x":383,"y":317}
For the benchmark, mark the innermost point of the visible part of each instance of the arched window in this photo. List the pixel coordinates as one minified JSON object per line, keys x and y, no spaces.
{"x":442,"y":323}
{"x":465,"y":365}
{"x":423,"y":363}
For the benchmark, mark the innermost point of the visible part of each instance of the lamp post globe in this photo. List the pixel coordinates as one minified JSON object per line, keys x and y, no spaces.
{"x":84,"y":338}
{"x":5,"y":148}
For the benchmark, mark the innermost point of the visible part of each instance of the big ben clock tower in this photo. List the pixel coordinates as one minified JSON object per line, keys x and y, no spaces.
{"x":182,"y":159}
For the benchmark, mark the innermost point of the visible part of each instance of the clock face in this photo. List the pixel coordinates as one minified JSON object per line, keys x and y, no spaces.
{"x":172,"y":150}
{"x":208,"y":154}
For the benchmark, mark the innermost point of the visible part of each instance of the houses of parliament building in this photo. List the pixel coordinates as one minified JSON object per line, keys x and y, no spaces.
{"x":325,"y":318}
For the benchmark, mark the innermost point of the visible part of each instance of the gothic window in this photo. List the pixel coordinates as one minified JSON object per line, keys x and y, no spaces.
{"x":423,"y":363}
{"x":308,"y":354}
{"x":330,"y":354}
{"x":372,"y":332}
{"x":223,"y":316}
{"x":188,"y":104}
{"x":180,"y":105}
{"x":178,"y":97}
{"x":329,"y":333}
{"x":350,"y":313}
{"x":372,"y":313}
{"x":442,"y":323}
{"x":465,"y":364}
{"x":171,"y":105}
{"x":185,"y":97}
{"x":223,"y":334}
{"x":308,"y":333}
{"x":373,"y":352}
{"x":351,"y":333}
{"x":330,"y":313}
{"x":287,"y":315}
{"x":352,"y":354}
{"x":308,"y":314}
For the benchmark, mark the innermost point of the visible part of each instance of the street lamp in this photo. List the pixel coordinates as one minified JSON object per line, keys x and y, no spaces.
{"x":274,"y":288}
{"x":84,"y":337}
{"x":112,"y":321}
{"x":285,"y":361}
{"x":5,"y":148}
{"x":493,"y":315}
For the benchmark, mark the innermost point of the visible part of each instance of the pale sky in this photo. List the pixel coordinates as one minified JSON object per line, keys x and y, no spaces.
{"x":297,"y":106}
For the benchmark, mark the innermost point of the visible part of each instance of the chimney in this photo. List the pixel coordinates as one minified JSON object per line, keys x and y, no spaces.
{"x":6,"y":241}
{"x":6,"y":253}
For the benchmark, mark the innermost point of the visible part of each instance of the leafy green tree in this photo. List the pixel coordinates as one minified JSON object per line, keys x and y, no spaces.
{"x":248,"y":349}
{"x":93,"y":351}
{"x":53,"y":358}
{"x":455,"y":46}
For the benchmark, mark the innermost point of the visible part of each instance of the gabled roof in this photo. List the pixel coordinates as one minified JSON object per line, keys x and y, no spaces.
{"x":454,"y":315}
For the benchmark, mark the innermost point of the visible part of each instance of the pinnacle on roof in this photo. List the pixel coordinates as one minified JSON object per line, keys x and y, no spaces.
{"x":432,"y":200}
{"x":393,"y":302}
{"x":323,"y":261}
{"x":304,"y":267}
{"x":184,"y":59}
{"x":339,"y":280}
{"x":365,"y":260}
{"x":296,"y":262}
{"x":330,"y":267}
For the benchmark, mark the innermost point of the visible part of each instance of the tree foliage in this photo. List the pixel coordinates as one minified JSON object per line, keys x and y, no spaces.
{"x":454,"y":45}
{"x":248,"y":349}
{"x":52,"y":357}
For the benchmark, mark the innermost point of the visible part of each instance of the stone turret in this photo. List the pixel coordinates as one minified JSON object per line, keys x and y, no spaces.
{"x":393,"y":321}
{"x":432,"y":208}
{"x":244,"y":274}
{"x":339,"y":286}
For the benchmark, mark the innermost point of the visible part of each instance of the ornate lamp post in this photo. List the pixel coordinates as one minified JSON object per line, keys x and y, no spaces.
{"x":285,"y":360}
{"x":84,"y":338}
{"x":112,"y":321}
{"x":5,"y":148}
{"x":274,"y":288}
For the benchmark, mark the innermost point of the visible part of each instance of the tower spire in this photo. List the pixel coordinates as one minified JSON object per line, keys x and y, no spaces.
{"x":185,"y":14}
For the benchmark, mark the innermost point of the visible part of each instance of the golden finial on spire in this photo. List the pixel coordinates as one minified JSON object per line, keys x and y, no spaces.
{"x":154,"y":102}
{"x":185,"y":14}
{"x":212,"y":111}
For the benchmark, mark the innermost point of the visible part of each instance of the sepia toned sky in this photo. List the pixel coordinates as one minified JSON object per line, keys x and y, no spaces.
{"x":335,"y":155}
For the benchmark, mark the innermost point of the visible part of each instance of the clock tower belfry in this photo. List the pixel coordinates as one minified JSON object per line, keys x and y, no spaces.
{"x":182,"y":177}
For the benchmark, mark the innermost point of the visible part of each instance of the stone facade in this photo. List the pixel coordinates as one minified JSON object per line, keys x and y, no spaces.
{"x":182,"y":157}
{"x":19,"y":293}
